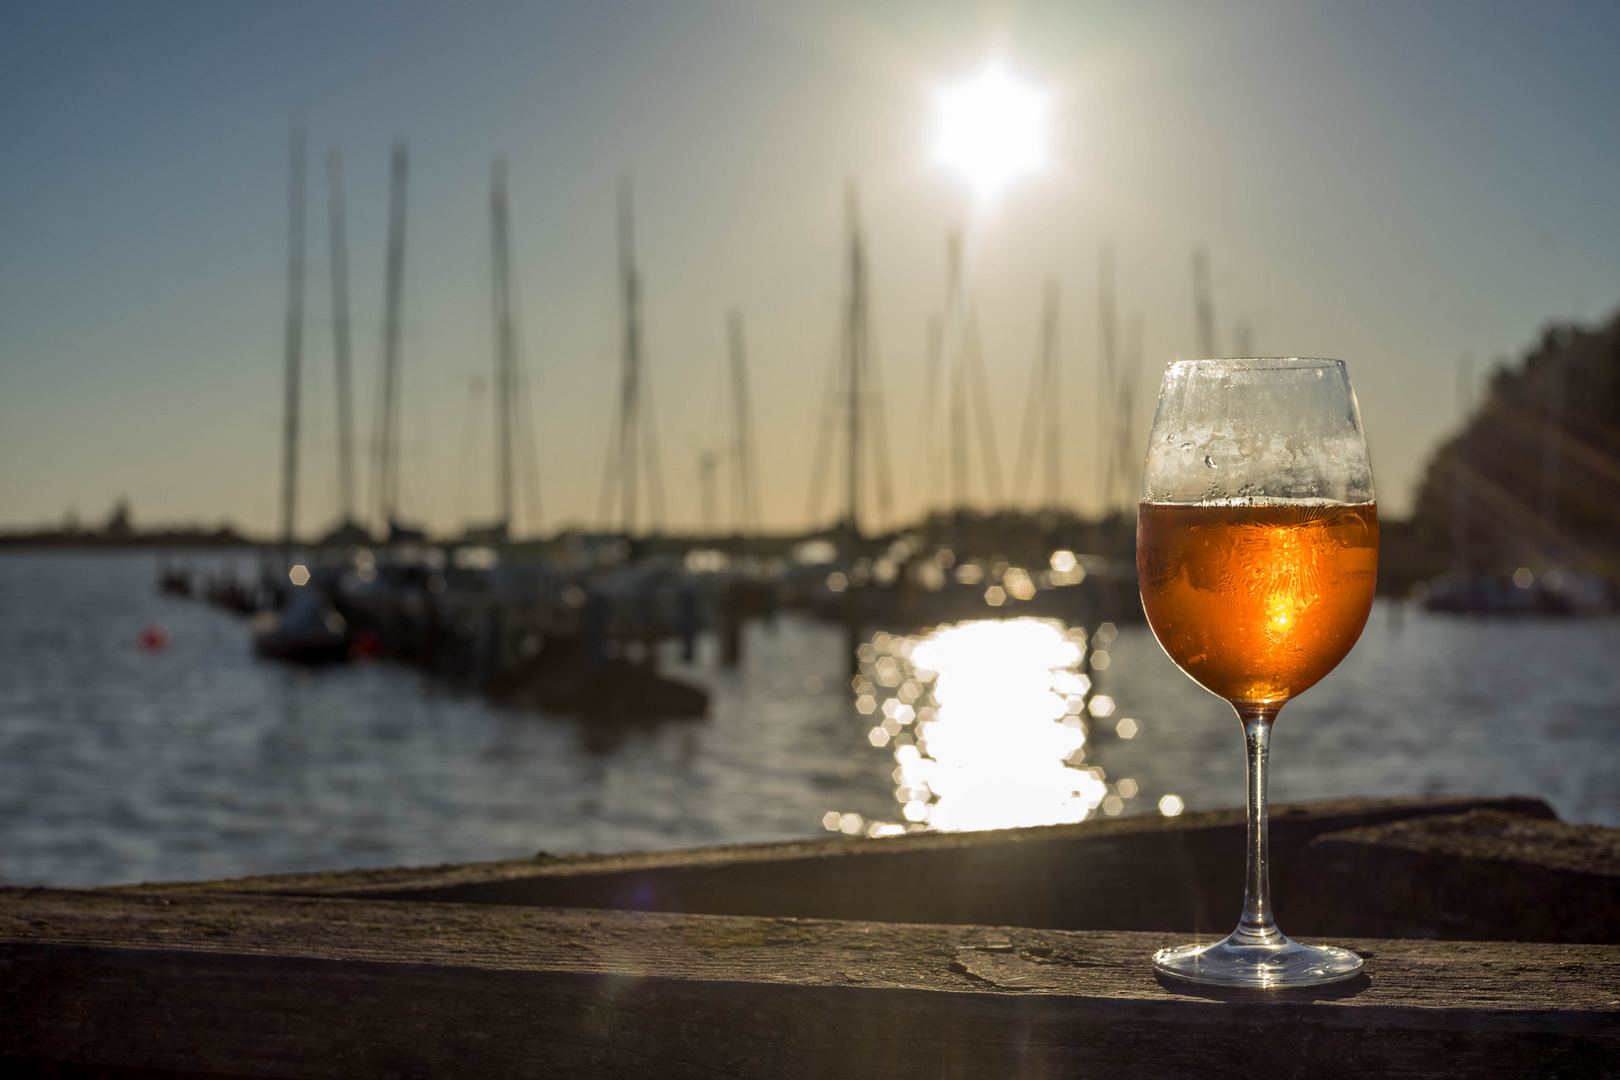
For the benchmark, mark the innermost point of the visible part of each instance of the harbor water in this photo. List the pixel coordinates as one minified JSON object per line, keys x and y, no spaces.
{"x":142,"y":740}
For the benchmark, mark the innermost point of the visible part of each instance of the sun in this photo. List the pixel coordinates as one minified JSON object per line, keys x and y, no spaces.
{"x":991,"y":129}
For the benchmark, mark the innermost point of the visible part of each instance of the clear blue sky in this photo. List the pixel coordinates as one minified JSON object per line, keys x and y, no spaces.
{"x":1393,"y":184}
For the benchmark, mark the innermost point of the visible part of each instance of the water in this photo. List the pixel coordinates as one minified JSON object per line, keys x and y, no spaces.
{"x":1425,"y":704}
{"x":121,"y":764}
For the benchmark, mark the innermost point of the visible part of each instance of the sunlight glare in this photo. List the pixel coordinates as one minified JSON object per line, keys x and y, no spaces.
{"x":998,"y":753}
{"x":991,"y":129}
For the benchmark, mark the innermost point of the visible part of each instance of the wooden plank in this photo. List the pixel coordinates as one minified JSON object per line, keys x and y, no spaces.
{"x":1480,"y":875}
{"x":38,"y":1069}
{"x":1146,"y":873}
{"x":313,"y":987}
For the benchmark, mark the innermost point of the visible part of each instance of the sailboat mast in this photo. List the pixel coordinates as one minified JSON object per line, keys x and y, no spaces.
{"x":958,"y":371}
{"x":931,"y":390}
{"x":1125,"y":453}
{"x":1049,"y":381}
{"x":630,"y":390}
{"x":501,"y":251}
{"x":854,"y":358}
{"x":1105,"y":377}
{"x":711,"y":514}
{"x":745,"y":486}
{"x":1242,"y":338}
{"x":336,"y":220}
{"x":294,"y":339}
{"x":1204,"y":303}
{"x":388,"y":443}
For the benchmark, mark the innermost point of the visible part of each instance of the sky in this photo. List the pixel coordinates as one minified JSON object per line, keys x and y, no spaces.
{"x":1398,"y":186}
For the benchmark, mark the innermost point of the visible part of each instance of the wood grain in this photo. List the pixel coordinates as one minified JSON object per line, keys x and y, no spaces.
{"x":211,"y":982}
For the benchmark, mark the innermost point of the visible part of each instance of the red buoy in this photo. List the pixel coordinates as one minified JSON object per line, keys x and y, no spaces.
{"x":367,"y":645}
{"x":154,"y":639}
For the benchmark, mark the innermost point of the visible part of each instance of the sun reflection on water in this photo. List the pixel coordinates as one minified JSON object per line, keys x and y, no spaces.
{"x":987,"y":724}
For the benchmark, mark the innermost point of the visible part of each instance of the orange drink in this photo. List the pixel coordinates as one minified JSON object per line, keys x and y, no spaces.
{"x":1257,"y":603}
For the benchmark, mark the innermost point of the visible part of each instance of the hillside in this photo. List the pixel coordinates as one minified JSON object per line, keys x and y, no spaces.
{"x":1533,"y":478}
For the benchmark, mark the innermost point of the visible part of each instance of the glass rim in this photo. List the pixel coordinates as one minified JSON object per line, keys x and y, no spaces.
{"x":1259,"y":363}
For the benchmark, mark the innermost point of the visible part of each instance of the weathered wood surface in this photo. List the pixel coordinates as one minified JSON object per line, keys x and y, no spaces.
{"x":1148,"y":873}
{"x":1483,"y":875}
{"x":244,"y":985}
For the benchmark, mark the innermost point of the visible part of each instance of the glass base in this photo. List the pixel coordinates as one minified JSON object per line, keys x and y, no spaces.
{"x":1261,"y":964}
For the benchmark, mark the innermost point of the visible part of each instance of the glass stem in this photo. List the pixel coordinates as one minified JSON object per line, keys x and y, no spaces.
{"x":1257,"y":926}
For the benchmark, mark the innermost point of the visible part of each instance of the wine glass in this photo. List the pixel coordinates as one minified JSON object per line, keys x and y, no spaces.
{"x":1257,"y":553}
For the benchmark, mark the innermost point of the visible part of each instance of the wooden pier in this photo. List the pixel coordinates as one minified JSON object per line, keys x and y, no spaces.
{"x":1005,"y":954}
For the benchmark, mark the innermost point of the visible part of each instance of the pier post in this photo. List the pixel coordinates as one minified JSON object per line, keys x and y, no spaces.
{"x":852,"y":629}
{"x":688,"y":618}
{"x":731,"y":620}
{"x":595,"y":631}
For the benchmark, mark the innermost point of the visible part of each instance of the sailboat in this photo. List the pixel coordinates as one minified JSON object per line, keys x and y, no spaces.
{"x":305,"y":626}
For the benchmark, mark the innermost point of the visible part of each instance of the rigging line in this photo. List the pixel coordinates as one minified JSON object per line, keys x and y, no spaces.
{"x":374,"y":497}
{"x":1203,"y":303}
{"x":737,"y":456}
{"x":610,"y":467}
{"x":1054,"y":369}
{"x":610,"y":463}
{"x":1105,"y":376}
{"x":341,"y":337}
{"x":878,"y":438}
{"x":1113,"y":464}
{"x":517,"y":407}
{"x":420,"y":448}
{"x":745,"y":483}
{"x":959,"y":434}
{"x":469,"y":440}
{"x":388,"y":452}
{"x":981,"y":412}
{"x":1124,"y":430}
{"x":927,"y":474}
{"x":954,"y":351}
{"x":625,"y":462}
{"x":655,"y":471}
{"x":610,"y":477}
{"x":316,"y":441}
{"x":756,"y":509}
{"x":630,"y":313}
{"x":1242,"y":338}
{"x":294,"y":335}
{"x":855,"y":345}
{"x":529,"y":461}
{"x":821,"y":463}
{"x":501,"y":263}
{"x":708,"y":500}
{"x":1033,"y":414}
